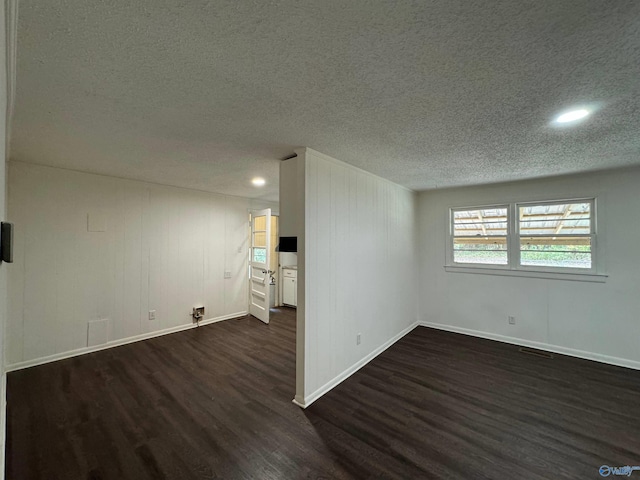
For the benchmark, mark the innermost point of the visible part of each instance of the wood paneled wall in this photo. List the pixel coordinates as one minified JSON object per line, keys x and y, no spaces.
{"x":359,"y":241}
{"x":162,"y":248}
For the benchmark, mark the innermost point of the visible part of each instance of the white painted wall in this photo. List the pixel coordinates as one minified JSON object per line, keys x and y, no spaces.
{"x":290,"y":194}
{"x":292,"y":224}
{"x":355,"y":270}
{"x":3,"y":215}
{"x":164,"y":249}
{"x":592,"y":320}
{"x":288,"y":259}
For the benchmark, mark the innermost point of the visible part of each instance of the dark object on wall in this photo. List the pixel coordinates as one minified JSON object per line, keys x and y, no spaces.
{"x":6,"y":242}
{"x":287,"y":244}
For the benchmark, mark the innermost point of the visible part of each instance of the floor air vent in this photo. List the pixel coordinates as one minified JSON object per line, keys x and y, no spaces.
{"x":537,"y":353}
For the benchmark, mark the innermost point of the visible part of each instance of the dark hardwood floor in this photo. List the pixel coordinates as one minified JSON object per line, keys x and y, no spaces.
{"x":215,"y":402}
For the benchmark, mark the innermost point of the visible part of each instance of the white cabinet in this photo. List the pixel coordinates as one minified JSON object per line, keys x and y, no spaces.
{"x":289,"y":291}
{"x":289,"y":287}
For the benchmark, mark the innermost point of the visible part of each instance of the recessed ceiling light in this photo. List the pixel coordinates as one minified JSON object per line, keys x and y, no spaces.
{"x":258,"y":181}
{"x":573,"y":115}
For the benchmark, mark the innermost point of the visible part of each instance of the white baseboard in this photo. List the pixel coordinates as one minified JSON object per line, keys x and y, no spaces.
{"x":305,"y":402}
{"x":117,"y":343}
{"x":597,"y":357}
{"x":3,"y":422}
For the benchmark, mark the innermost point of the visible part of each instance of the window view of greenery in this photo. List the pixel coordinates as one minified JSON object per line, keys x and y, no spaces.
{"x":550,"y":235}
{"x":480,"y":236}
{"x":489,"y":252}
{"x":557,"y":235}
{"x":260,"y":255}
{"x":550,"y":252}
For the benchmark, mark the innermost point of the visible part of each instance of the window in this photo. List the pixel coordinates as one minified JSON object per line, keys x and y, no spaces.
{"x":543,"y":236}
{"x":556,"y":234}
{"x":260,"y":255}
{"x":480,"y":236}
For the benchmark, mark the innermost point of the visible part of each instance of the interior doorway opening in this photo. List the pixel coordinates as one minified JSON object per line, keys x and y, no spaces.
{"x":264,"y":266}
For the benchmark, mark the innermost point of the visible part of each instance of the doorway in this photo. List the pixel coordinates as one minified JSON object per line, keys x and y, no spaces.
{"x":263,"y":263}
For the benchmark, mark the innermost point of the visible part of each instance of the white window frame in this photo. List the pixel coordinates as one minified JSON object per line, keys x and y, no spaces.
{"x":592,"y":235}
{"x":450,"y":260}
{"x":513,"y":267}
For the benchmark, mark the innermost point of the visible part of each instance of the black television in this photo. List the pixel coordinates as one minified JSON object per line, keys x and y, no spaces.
{"x":287,"y":244}
{"x":6,"y":242}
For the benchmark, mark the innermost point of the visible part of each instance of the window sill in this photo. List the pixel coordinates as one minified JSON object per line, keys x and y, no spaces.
{"x":575,"y":277}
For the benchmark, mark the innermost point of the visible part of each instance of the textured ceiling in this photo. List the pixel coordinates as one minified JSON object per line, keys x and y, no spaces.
{"x":208,"y":94}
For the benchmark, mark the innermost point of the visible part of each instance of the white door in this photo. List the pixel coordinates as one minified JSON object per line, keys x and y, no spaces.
{"x":259,"y":264}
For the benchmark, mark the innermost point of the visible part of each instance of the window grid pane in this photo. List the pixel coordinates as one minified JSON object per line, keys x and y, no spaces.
{"x":556,"y":219}
{"x":260,"y":255}
{"x":260,"y":223}
{"x":480,"y":222}
{"x":562,"y":251}
{"x":489,"y":251}
{"x":260,"y":239}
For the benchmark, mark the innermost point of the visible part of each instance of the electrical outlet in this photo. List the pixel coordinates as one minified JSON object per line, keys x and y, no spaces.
{"x":152,"y":314}
{"x":358,"y":339}
{"x":512,"y":320}
{"x":227,"y":274}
